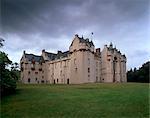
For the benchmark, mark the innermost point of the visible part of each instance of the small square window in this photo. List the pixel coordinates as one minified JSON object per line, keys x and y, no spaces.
{"x":88,"y":70}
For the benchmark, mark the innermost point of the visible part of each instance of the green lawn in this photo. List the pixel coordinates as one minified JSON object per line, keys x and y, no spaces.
{"x":78,"y":101}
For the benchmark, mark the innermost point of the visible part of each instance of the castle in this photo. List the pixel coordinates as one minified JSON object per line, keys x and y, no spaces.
{"x":81,"y":64}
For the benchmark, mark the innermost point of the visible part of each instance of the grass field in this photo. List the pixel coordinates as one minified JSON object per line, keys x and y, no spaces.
{"x":78,"y":101}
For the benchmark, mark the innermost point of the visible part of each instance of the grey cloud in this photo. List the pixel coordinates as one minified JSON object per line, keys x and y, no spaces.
{"x":61,"y":16}
{"x":34,"y":22}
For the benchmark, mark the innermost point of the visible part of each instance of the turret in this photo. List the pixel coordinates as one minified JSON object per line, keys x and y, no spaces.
{"x":111,"y":45}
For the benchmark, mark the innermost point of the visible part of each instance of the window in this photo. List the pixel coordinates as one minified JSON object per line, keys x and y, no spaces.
{"x":22,"y":66}
{"x":96,"y":64}
{"x":57,"y":80}
{"x":28,"y":72}
{"x":40,"y":69}
{"x":55,"y":65}
{"x":32,"y":68}
{"x":88,"y":75}
{"x":88,"y":70}
{"x":74,"y":61}
{"x":42,"y":81}
{"x":96,"y":71}
{"x":88,"y":61}
{"x":60,"y":64}
{"x":67,"y":62}
{"x":61,"y":73}
{"x":35,"y":79}
{"x":96,"y":79}
{"x":76,"y":69}
{"x":42,"y":76}
{"x":67,"y":81}
{"x":36,"y":72}
{"x":28,"y":80}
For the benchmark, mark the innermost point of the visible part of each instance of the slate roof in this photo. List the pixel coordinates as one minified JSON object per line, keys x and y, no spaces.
{"x":53,"y":56}
{"x":86,"y":41}
{"x":113,"y":49}
{"x":82,"y":40}
{"x":36,"y":58}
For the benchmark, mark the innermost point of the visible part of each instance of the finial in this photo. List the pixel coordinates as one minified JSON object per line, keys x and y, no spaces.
{"x":92,"y":35}
{"x":24,"y":52}
{"x":111,"y":45}
{"x":82,"y":36}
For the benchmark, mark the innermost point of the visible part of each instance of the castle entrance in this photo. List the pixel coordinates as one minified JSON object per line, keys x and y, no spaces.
{"x":67,"y":81}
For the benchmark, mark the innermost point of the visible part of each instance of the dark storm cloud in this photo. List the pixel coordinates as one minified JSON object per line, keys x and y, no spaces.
{"x":63,"y":16}
{"x":49,"y":24}
{"x":25,"y":16}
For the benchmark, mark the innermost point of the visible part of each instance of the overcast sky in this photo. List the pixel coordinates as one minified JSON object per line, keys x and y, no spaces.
{"x":33,"y":25}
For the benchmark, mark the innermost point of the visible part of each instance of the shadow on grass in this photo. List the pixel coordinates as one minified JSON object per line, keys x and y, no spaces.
{"x":11,"y":93}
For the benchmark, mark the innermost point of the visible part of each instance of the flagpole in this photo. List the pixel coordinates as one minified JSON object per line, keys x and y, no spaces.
{"x":92,"y":36}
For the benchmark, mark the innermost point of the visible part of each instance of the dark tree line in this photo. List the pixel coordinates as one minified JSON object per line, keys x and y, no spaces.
{"x":9,"y":73}
{"x":139,"y":75}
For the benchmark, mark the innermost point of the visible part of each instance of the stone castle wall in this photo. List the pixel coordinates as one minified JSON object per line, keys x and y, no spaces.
{"x":81,"y":64}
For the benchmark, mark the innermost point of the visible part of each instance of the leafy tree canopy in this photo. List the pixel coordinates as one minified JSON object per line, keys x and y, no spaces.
{"x":139,"y":75}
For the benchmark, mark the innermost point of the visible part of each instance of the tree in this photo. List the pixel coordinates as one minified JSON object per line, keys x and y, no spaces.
{"x":15,"y":71}
{"x":139,"y":75}
{"x":1,"y":42}
{"x":8,"y":78}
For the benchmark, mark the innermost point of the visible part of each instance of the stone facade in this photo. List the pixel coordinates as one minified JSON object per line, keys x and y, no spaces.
{"x":81,"y":64}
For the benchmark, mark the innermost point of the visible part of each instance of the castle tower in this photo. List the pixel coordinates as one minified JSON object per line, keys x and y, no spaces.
{"x":113,"y":65}
{"x":82,"y":60}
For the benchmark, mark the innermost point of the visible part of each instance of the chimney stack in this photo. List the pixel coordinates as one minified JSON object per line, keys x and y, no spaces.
{"x":105,"y":46}
{"x":76,"y":35}
{"x":59,"y":52}
{"x":43,"y":51}
{"x":98,"y":50}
